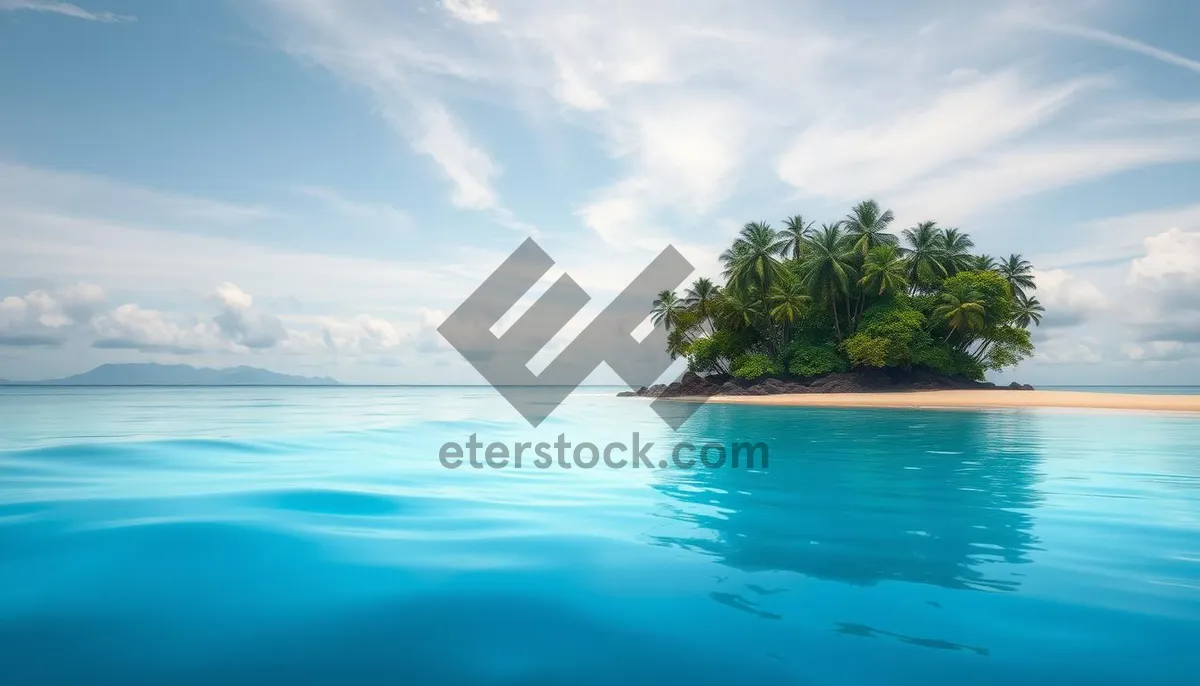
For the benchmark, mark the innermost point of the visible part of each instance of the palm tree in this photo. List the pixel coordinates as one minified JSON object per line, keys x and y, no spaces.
{"x":730,"y":257}
{"x":1018,"y":273}
{"x":961,"y":309}
{"x":956,"y":250}
{"x":702,"y":298}
{"x":739,"y":310}
{"x":1028,"y":311}
{"x":867,"y":227}
{"x":885,"y":270}
{"x":828,"y":267}
{"x":926,"y":255}
{"x":754,"y":261}
{"x":795,"y":232}
{"x":982,"y":263}
{"x":667,"y":310}
{"x":788,"y":303}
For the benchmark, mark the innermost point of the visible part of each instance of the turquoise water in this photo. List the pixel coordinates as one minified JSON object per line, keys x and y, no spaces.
{"x":311,"y":536}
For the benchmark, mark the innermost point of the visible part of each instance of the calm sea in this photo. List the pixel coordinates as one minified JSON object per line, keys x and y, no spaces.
{"x":312,"y":536}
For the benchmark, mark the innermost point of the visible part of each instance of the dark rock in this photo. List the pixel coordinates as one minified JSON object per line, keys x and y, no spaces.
{"x":730,"y":388}
{"x":793,"y":387}
{"x":696,"y":386}
{"x":654,"y":391}
{"x":626,"y":394}
{"x":769,"y":387}
{"x":691,"y":384}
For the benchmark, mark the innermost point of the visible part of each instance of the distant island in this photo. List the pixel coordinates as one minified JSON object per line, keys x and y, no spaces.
{"x":849,"y":307}
{"x":152,"y":374}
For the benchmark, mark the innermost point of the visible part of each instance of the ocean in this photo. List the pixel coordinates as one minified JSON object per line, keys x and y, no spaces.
{"x":323,"y":536}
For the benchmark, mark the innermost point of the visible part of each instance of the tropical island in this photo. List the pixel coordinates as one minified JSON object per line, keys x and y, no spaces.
{"x":849,"y":306}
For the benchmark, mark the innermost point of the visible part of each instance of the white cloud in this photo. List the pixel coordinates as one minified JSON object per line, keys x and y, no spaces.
{"x":1121,"y":238}
{"x":1068,"y":299}
{"x":237,"y":327}
{"x":243,"y":325}
{"x":620,"y":216}
{"x":1161,"y":351}
{"x":46,"y":317}
{"x":1122,"y":43}
{"x":952,"y":114}
{"x":63,"y":8}
{"x":1166,"y":284}
{"x":996,"y":179}
{"x":41,"y":245}
{"x":472,"y":11}
{"x":362,"y":334}
{"x":687,"y":149}
{"x":233,"y":297}
{"x":132,"y":327}
{"x":849,"y":154}
{"x":468,"y":167}
{"x":1172,"y":257}
{"x":1068,"y":351}
{"x":382,"y":52}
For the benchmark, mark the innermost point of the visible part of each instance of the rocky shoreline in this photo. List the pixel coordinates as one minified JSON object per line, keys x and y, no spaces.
{"x":874,"y":381}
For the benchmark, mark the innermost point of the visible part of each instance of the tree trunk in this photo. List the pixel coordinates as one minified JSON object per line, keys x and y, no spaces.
{"x":833,"y":308}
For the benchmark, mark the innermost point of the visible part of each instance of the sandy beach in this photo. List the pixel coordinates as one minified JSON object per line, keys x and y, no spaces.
{"x":974,"y":399}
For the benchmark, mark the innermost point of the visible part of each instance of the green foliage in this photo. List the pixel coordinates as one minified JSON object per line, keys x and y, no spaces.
{"x":1009,"y":345}
{"x":867,"y":351}
{"x":807,"y":359}
{"x":993,"y":292}
{"x":968,"y":367}
{"x":712,"y":354}
{"x":703,"y":355}
{"x":886,"y":336}
{"x":755,"y":366}
{"x":852,"y":293}
{"x":933,"y":354}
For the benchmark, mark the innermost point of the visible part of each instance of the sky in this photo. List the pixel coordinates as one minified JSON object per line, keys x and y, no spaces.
{"x":312,"y":186}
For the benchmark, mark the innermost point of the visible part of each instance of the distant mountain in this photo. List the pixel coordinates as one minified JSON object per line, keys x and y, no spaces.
{"x":150,"y":374}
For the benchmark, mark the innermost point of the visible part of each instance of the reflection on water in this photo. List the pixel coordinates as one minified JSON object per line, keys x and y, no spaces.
{"x":946,"y":498}
{"x":864,"y":631}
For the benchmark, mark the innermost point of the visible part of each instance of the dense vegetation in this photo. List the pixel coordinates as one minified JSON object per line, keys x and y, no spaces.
{"x":804,"y":302}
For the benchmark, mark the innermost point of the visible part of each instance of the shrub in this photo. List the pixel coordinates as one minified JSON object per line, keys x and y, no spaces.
{"x":885,"y":337}
{"x":703,"y":354}
{"x":754,"y":366}
{"x":867,"y":351}
{"x":806,"y":359}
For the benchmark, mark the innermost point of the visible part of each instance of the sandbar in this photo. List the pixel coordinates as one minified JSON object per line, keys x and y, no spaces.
{"x":990,"y":398}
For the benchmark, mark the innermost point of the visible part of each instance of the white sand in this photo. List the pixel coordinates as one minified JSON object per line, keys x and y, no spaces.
{"x":973,"y":399}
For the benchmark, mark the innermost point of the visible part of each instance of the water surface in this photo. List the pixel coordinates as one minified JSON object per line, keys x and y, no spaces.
{"x":311,"y":536}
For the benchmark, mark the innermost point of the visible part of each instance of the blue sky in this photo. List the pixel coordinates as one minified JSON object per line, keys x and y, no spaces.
{"x":312,"y":185}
